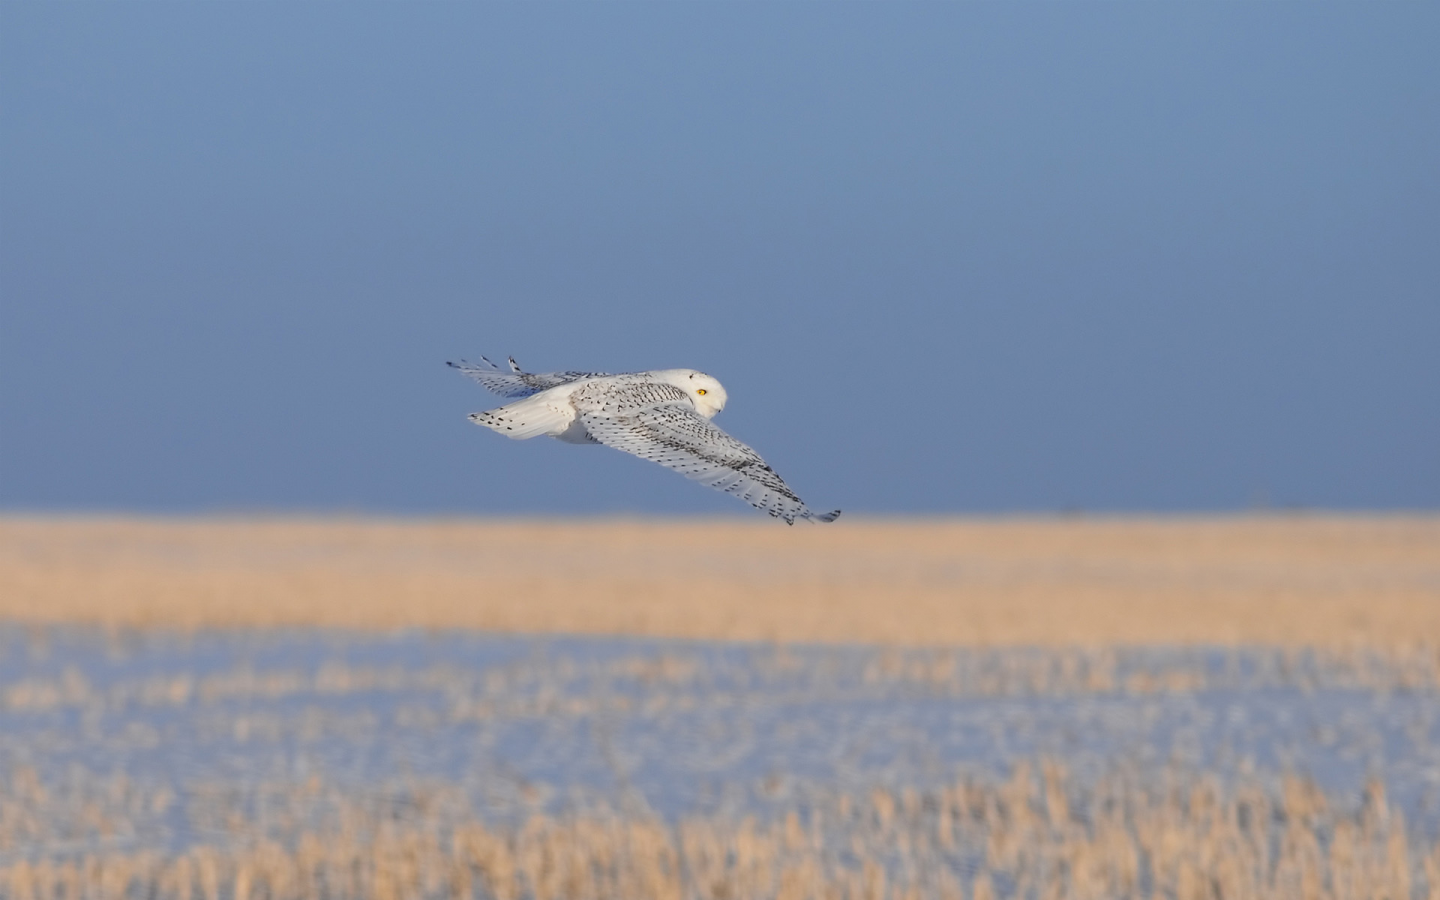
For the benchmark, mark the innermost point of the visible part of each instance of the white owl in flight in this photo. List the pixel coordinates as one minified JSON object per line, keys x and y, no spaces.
{"x":663,"y":416}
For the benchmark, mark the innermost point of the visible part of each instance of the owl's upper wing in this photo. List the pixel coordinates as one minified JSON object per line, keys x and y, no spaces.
{"x":658,"y":422}
{"x":515,"y":383}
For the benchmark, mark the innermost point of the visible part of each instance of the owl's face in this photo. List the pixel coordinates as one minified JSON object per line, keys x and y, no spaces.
{"x":707,"y":393}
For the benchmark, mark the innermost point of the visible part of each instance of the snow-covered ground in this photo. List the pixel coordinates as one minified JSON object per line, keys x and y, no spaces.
{"x":150,"y":740}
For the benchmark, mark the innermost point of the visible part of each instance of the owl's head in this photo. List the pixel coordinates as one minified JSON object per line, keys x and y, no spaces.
{"x":707,"y":394}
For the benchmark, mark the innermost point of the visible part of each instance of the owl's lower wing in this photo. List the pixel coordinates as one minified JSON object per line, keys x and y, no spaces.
{"x":516,"y":383}
{"x":674,"y":435}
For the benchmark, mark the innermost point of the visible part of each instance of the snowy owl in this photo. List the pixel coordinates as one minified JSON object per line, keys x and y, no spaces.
{"x":663,"y":416}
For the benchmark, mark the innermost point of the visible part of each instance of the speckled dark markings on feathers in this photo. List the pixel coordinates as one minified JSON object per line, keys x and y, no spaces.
{"x":516,"y":383}
{"x":658,"y":422}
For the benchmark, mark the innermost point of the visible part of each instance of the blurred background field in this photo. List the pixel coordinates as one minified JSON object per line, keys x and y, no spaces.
{"x":1284,"y":580}
{"x":1182,"y":707}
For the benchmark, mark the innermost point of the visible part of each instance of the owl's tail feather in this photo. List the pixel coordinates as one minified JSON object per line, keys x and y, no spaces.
{"x":528,"y":418}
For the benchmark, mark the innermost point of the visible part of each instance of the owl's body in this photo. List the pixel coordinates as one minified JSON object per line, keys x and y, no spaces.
{"x":663,"y":416}
{"x":556,"y":411}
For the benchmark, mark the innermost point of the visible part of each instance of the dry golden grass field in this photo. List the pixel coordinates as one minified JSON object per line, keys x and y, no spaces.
{"x":1287,"y":580}
{"x":1187,"y":840}
{"x":1183,"y":708}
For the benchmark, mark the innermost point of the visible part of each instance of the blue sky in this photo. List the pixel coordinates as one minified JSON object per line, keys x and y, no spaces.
{"x":945,"y":257}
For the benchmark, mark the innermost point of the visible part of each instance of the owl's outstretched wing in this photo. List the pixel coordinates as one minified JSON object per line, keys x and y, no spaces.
{"x":657,"y":421}
{"x":516,"y":383}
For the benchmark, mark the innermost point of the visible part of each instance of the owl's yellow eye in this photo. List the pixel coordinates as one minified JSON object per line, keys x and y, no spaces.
{"x":699,"y":390}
